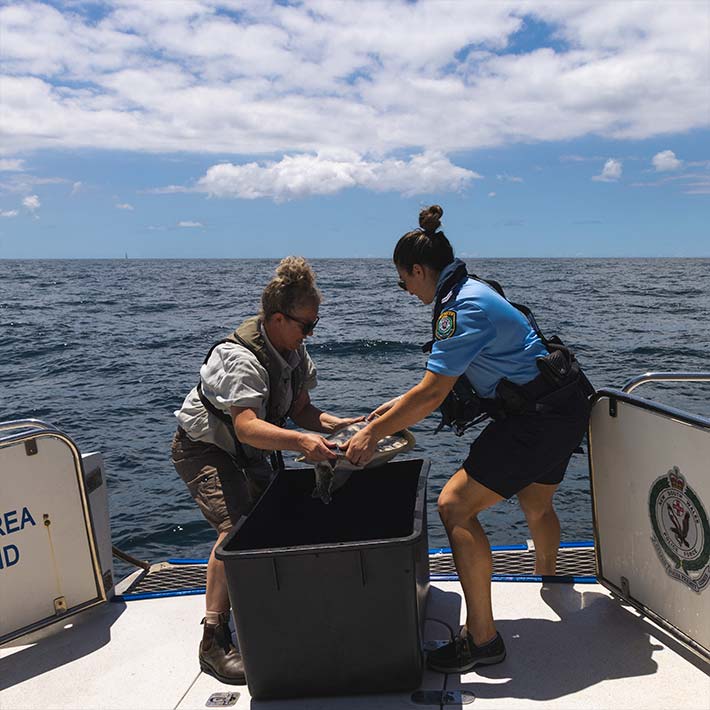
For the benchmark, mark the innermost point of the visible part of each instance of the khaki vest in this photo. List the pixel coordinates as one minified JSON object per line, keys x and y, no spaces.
{"x":248,"y":335}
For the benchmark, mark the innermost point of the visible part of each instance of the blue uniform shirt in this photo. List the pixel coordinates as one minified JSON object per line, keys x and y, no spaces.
{"x":479,"y":333}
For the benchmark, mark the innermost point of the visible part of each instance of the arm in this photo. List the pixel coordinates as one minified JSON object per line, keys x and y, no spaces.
{"x":384,"y":407}
{"x":413,"y":406}
{"x":306,"y":415}
{"x":263,"y":435}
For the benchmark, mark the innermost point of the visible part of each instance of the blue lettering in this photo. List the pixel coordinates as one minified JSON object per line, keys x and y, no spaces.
{"x":11,"y":521}
{"x":7,"y":556}
{"x":26,"y":518}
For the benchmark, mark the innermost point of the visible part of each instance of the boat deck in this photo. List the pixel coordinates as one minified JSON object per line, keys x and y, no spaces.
{"x":569,"y":645}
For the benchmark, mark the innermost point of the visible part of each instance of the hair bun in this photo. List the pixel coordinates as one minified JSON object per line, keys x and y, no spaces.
{"x":430,"y":219}
{"x":295,"y":270}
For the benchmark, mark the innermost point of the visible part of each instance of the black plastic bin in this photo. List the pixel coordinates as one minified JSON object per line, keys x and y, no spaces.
{"x":330,"y":599}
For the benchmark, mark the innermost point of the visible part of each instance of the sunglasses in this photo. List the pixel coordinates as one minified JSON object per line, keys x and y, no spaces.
{"x":402,"y":285}
{"x":306,"y":326}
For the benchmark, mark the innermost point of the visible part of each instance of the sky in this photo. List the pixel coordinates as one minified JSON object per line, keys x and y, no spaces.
{"x":248,"y":128}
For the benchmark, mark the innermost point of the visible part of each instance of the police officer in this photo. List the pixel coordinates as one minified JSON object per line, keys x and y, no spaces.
{"x":539,"y":401}
{"x":232,"y":421}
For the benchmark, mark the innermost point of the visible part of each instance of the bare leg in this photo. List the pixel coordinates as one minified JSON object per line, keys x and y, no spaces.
{"x":216,"y":594}
{"x":536,"y":502}
{"x":460,"y":501}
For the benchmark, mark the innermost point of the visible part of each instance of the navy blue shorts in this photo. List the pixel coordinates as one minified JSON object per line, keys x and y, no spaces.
{"x":535,"y":447}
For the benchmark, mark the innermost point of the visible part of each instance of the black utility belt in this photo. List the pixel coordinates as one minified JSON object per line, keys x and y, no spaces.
{"x":538,"y":395}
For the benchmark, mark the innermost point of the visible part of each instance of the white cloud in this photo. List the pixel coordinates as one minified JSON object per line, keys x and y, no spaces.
{"x":611,"y":171}
{"x":31,"y":202}
{"x":374,"y":77}
{"x":491,"y":194}
{"x":190,"y":224}
{"x":666,"y":160}
{"x":76,"y":188}
{"x":11,"y":165}
{"x":8,"y":213}
{"x":23,"y":183}
{"x":689,"y":183}
{"x":508,"y":178}
{"x":327,"y":173}
{"x":124,"y":206}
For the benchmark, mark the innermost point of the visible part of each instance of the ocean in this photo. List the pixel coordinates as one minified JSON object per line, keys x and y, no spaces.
{"x":106,"y":350}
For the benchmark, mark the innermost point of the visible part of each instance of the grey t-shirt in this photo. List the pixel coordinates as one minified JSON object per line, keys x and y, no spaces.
{"x":234,"y":377}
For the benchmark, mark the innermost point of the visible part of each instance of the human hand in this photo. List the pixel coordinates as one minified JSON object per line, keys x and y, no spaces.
{"x":361,"y":447}
{"x":385,"y":407}
{"x":342,"y":423}
{"x":315,"y":448}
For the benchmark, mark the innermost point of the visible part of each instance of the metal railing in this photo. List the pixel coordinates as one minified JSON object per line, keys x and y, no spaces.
{"x":639,"y":380}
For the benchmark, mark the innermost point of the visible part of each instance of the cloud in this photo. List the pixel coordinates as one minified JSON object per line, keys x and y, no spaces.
{"x":697,"y":183}
{"x":611,"y":171}
{"x":491,"y":194}
{"x":124,"y":206}
{"x":11,"y":165}
{"x":508,"y":178}
{"x":698,"y":187}
{"x":24,"y":182}
{"x":190,"y":224}
{"x":8,"y":213}
{"x":666,"y":160}
{"x":31,"y":202}
{"x":324,"y":174}
{"x":76,"y":188}
{"x":377,"y":78}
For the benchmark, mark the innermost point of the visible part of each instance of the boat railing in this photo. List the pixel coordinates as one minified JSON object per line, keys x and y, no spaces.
{"x":23,"y":427}
{"x":639,"y":380}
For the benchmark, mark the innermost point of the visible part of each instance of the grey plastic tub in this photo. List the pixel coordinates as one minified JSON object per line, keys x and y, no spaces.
{"x":330,"y":599}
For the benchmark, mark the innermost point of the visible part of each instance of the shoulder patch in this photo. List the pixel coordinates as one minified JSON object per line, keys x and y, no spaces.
{"x":445,"y":325}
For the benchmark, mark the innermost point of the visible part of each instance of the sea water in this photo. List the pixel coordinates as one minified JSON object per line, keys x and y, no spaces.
{"x":106,"y":350}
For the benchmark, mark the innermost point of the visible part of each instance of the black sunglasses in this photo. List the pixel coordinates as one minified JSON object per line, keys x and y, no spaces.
{"x":306,"y":326}
{"x":402,"y":285}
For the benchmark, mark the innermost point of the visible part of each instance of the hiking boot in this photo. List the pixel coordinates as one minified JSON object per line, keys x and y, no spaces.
{"x":219,"y":657}
{"x":462,"y":655}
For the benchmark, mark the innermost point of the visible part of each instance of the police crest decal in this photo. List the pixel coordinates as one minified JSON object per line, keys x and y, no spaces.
{"x":681,"y":532}
{"x":445,"y":325}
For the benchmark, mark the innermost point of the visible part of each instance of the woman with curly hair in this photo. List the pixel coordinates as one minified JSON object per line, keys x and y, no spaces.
{"x":231,"y":430}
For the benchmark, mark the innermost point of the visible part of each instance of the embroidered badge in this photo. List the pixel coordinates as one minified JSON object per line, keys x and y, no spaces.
{"x":681,"y":531}
{"x":446,"y":325}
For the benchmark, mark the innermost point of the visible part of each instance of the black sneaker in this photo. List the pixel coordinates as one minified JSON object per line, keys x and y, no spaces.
{"x":462,"y":655}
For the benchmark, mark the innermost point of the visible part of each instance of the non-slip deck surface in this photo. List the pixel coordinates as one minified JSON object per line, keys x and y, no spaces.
{"x":572,"y":561}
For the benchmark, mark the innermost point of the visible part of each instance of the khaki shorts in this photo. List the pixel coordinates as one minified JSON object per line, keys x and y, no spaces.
{"x":223,"y":491}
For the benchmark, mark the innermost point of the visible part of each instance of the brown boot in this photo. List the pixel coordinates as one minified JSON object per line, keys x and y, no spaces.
{"x":218,"y":656}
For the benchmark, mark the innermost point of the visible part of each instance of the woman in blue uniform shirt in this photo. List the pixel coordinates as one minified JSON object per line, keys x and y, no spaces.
{"x":524,"y":451}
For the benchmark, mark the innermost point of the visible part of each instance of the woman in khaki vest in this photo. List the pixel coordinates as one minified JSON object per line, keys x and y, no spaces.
{"x":231,"y":424}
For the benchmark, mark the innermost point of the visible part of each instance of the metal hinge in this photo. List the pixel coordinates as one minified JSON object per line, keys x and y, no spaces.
{"x":107,"y":579}
{"x":442,"y":697}
{"x":94,"y":480}
{"x":222,"y":700}
{"x":60,"y":606}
